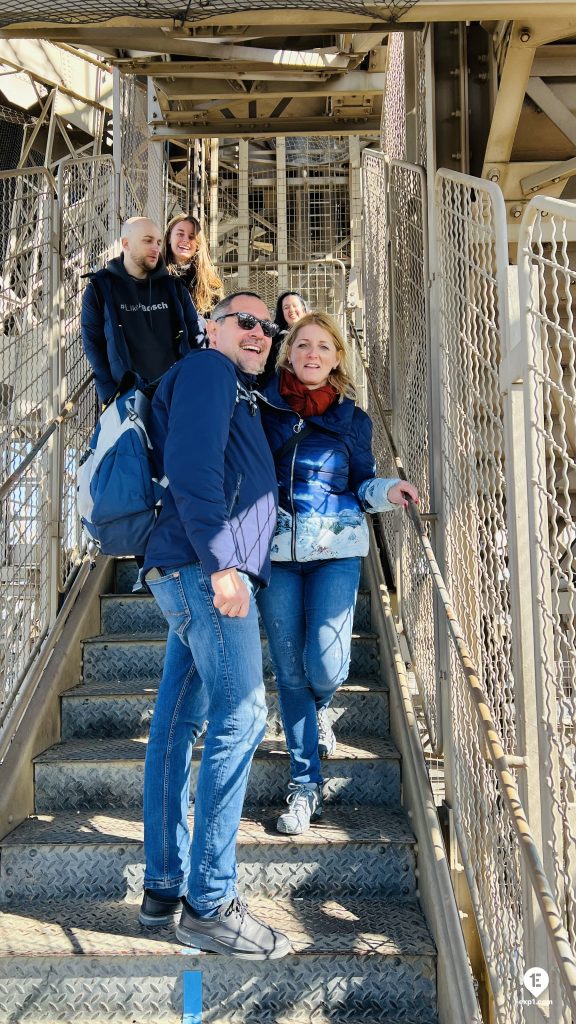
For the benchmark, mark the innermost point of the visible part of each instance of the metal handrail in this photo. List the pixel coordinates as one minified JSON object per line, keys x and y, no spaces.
{"x":65,"y":412}
{"x":551,"y":914}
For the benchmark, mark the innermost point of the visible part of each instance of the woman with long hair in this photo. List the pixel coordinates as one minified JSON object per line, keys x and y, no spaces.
{"x":187,"y":256}
{"x":321,"y":442}
{"x":290,"y":307}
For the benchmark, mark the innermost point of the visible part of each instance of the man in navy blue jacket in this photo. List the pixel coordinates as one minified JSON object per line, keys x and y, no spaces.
{"x":136,"y":319}
{"x":207,"y":555}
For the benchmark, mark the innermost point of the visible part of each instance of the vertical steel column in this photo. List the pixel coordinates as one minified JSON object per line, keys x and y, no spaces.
{"x":56,"y":370}
{"x":195,"y":183}
{"x":117,"y":142}
{"x":355,"y":185}
{"x":243,"y":216}
{"x":156,"y":202}
{"x":281,"y":215}
{"x":213,"y":226}
{"x":202,"y":212}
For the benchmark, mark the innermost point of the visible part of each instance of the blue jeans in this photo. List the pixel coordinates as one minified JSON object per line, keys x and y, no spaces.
{"x":308,"y":612}
{"x":212,"y":670}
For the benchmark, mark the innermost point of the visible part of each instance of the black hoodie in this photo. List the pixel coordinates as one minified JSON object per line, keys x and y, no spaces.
{"x":145,"y":318}
{"x":107,"y":330}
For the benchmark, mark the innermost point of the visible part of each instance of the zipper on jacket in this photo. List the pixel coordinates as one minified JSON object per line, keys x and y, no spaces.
{"x":236,"y":494}
{"x":296,"y":429}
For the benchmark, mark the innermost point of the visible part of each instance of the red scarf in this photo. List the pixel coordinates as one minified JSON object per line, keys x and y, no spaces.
{"x":304,"y":401}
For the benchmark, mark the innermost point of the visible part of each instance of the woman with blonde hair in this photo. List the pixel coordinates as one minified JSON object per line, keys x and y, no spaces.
{"x":187,"y":256}
{"x":321,"y":442}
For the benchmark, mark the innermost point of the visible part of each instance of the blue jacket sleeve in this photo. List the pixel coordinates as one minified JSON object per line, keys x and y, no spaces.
{"x":362,"y":465}
{"x":202,"y":405}
{"x":94,"y":343}
{"x":371,"y":491}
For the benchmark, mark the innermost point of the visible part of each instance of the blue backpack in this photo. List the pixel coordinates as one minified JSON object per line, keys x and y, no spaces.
{"x":118,"y":496}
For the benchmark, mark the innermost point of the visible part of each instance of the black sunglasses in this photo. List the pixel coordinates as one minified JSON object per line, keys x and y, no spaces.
{"x":247,"y":321}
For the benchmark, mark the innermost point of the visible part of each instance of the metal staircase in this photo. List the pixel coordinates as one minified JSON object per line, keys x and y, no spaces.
{"x":71,"y":877}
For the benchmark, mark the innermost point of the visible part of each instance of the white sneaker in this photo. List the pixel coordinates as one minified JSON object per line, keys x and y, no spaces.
{"x":305,"y":804}
{"x":326,"y":737}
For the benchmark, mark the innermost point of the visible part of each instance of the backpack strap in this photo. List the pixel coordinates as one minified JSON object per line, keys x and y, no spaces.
{"x":292,"y":442}
{"x":244,"y":395}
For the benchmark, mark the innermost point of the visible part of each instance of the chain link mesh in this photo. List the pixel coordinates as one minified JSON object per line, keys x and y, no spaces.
{"x":393,"y":126}
{"x":318,"y":198}
{"x":176,"y":199}
{"x":314,"y":193}
{"x":547,"y":260}
{"x":24,"y":564}
{"x":322,"y":284}
{"x":412,"y":412}
{"x":26,"y":229}
{"x":421,"y":141}
{"x":377,"y":314}
{"x":134,"y":149}
{"x":27,"y":361}
{"x":89,"y":232}
{"x":42,"y":366}
{"x":476,"y":553}
{"x":181,"y":12}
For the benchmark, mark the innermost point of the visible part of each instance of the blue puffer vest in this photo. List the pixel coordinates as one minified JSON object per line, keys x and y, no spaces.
{"x":321,"y":512}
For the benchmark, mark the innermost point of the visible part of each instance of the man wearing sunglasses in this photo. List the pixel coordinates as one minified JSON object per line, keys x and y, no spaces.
{"x":207,"y":555}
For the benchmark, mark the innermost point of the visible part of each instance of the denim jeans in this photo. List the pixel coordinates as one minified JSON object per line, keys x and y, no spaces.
{"x":213,"y":671}
{"x":308,"y":612}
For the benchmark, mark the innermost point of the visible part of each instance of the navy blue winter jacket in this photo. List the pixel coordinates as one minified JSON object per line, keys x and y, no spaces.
{"x":220,"y":505}
{"x":103,"y":336}
{"x":326,"y":481}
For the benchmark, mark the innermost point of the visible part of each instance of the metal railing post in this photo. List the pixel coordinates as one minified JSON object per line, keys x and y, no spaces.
{"x":56,"y":389}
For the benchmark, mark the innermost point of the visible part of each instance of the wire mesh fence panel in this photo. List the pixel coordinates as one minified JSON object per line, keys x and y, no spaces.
{"x":313,"y":191}
{"x":89,"y":224}
{"x":26,"y":310}
{"x":90,"y":229}
{"x":472,"y":258}
{"x":376,"y":291}
{"x":227,"y":202}
{"x":25,"y":602}
{"x":411,"y":412}
{"x":420,"y":74}
{"x":176,"y":199}
{"x":547,"y":271}
{"x":321,"y":283}
{"x":75,"y":434}
{"x":134,"y":158}
{"x":393,"y":129}
{"x":262,"y":214}
{"x":317,"y":198}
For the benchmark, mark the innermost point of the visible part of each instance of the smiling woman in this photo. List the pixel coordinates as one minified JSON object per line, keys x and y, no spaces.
{"x":321,"y":443}
{"x":187,"y":256}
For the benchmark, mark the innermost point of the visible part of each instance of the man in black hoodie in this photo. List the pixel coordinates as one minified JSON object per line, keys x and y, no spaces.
{"x":137,"y":320}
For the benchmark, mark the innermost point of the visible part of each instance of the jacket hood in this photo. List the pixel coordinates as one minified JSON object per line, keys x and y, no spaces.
{"x":117,"y":268}
{"x":337,"y":418}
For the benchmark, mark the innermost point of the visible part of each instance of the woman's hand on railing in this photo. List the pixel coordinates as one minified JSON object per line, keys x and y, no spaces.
{"x":401,"y":492}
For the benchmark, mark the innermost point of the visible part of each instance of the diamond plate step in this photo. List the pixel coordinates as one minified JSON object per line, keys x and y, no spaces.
{"x":361,"y":851}
{"x":105,"y":774}
{"x":353,"y":958}
{"x":139,"y":613}
{"x":123,"y":657}
{"x":117,"y":709}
